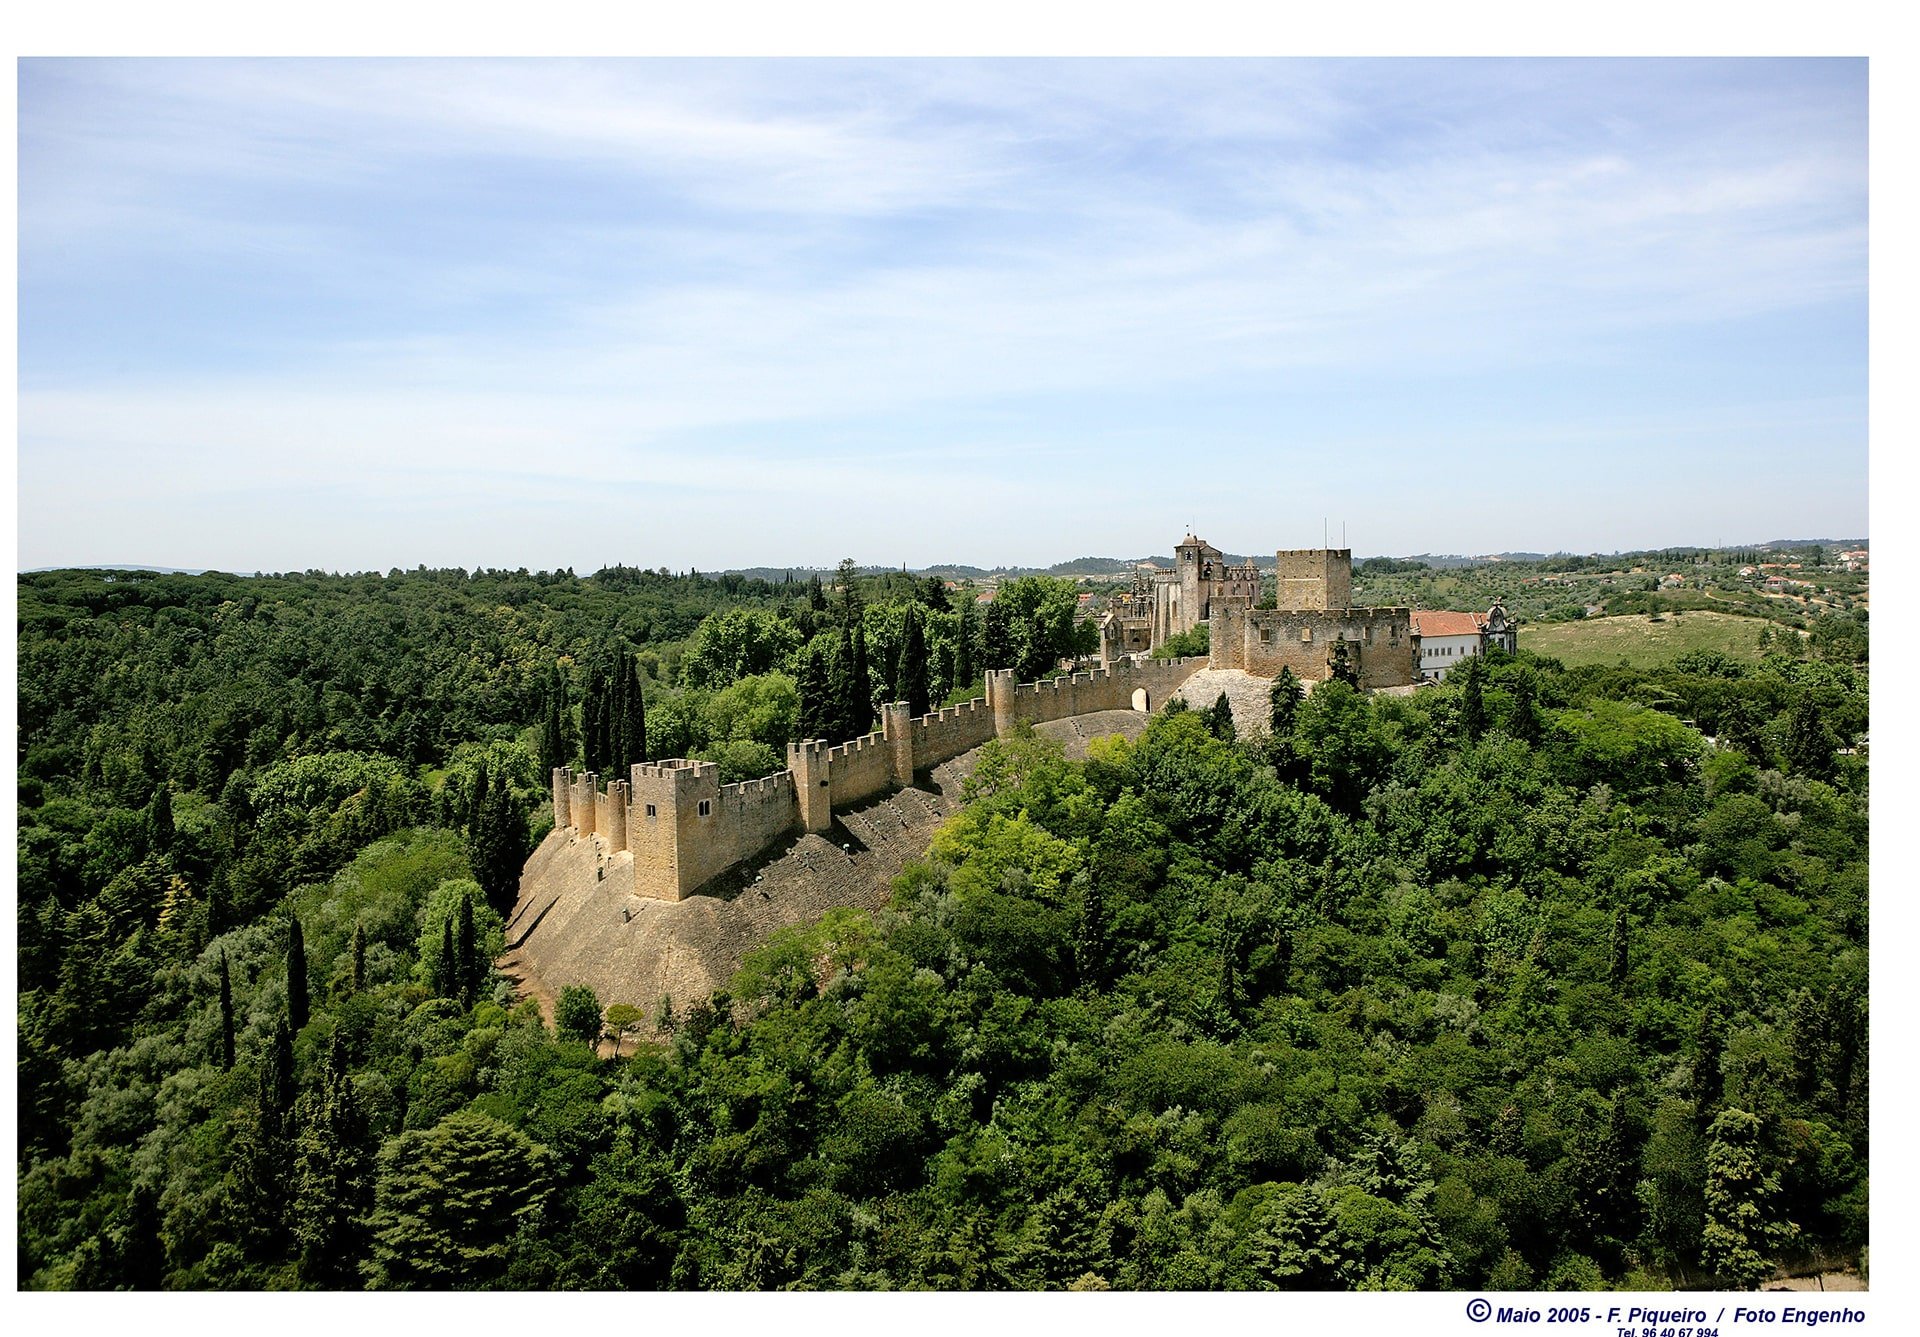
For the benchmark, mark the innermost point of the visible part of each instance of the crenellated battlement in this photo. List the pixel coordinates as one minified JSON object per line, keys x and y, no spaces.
{"x":684,"y":827}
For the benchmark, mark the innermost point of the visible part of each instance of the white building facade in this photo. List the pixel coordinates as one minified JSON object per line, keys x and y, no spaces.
{"x":1448,"y":639}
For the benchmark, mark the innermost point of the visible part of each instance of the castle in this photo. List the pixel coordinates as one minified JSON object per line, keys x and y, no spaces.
{"x":671,"y":827}
{"x":1312,"y":626}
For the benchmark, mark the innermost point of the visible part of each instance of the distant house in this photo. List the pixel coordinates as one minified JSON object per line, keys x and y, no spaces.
{"x":1672,"y":582}
{"x":1444,"y":638}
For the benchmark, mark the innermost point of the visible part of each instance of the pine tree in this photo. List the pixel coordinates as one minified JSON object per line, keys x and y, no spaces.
{"x":449,"y":1200}
{"x":226,"y":1015}
{"x":911,"y":675}
{"x":296,"y":975}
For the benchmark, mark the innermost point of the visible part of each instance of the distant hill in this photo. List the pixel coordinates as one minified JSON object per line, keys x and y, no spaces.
{"x":130,"y":566}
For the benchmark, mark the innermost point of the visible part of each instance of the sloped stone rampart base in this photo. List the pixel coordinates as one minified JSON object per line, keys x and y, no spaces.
{"x":577,"y":921}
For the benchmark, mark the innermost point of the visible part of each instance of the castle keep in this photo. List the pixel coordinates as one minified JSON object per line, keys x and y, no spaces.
{"x":671,"y":826}
{"x":1311,"y":627}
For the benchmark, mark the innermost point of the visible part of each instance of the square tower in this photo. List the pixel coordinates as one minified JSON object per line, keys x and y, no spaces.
{"x":1313,"y":578}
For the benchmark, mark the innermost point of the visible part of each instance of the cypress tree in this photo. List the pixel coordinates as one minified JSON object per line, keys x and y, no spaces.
{"x":467,"y":956}
{"x":1090,"y":947}
{"x":359,"y":957}
{"x":860,"y":704}
{"x":226,"y":1015}
{"x":445,"y":970}
{"x":1220,"y":719}
{"x":1622,"y":942}
{"x":333,"y":1178}
{"x":1524,"y":723}
{"x":633,"y":732}
{"x":1708,"y":1080}
{"x":592,"y":720}
{"x":477,"y":802}
{"x":996,"y":638}
{"x":1284,"y":698}
{"x":963,"y":643}
{"x":840,"y":683}
{"x":276,"y":1079}
{"x":552,"y":747}
{"x":816,"y":693}
{"x":1473,"y":703}
{"x":621,"y":717}
{"x":912,"y":674}
{"x":497,"y":841}
{"x":1809,"y":743}
{"x":159,"y":821}
{"x":296,"y":975}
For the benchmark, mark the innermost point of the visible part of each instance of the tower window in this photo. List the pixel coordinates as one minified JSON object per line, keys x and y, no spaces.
{"x":652,"y":811}
{"x":706,"y":807}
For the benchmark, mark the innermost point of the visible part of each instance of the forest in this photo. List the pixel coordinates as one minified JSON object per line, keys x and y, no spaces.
{"x":1540,"y":978}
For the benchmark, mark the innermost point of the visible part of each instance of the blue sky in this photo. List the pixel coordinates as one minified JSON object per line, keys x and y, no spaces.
{"x":363,"y":314}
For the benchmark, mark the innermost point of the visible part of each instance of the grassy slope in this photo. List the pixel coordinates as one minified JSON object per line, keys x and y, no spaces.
{"x":1607,"y":640}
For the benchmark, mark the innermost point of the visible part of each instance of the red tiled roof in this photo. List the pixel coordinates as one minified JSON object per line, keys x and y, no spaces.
{"x":1435,"y":622}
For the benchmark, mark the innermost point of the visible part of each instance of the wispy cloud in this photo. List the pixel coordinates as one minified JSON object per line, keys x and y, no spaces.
{"x":280,"y":274}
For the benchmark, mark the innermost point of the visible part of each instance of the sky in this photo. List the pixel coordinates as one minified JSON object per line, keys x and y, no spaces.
{"x":353,"y":314}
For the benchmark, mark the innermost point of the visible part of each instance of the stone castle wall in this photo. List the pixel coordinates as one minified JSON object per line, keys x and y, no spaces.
{"x":1267,"y":640}
{"x":949,"y":732}
{"x":684,"y":828}
{"x":859,"y":768}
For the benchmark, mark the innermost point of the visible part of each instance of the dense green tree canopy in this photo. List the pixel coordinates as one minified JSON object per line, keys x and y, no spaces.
{"x":1567,"y":989}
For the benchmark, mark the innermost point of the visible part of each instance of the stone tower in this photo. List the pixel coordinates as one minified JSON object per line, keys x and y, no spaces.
{"x":1313,"y":578}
